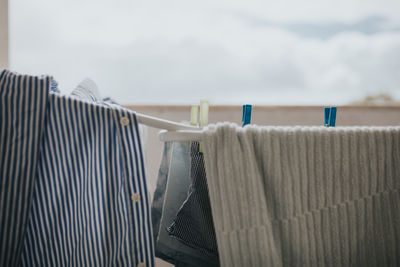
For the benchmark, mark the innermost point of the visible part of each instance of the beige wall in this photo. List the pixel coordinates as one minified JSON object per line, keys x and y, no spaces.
{"x":3,"y":34}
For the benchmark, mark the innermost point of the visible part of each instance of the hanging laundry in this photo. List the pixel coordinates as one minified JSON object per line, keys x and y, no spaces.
{"x":193,"y":224}
{"x":24,"y":102}
{"x":78,"y":194}
{"x":309,"y":196}
{"x":172,"y":189}
{"x":159,"y":193}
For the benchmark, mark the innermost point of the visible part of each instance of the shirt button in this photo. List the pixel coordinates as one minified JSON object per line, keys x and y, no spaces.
{"x":136,"y":197}
{"x":124,"y":121}
{"x":141,"y":264}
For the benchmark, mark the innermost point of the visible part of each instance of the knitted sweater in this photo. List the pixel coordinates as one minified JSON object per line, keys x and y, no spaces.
{"x":304,"y":196}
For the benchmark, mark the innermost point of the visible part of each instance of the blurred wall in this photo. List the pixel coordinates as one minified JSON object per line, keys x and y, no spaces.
{"x":3,"y":34}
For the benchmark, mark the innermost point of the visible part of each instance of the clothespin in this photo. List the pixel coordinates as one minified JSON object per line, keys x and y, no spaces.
{"x":326,"y":116}
{"x":194,"y":114}
{"x":330,"y":116}
{"x":246,"y":114}
{"x":204,"y":107}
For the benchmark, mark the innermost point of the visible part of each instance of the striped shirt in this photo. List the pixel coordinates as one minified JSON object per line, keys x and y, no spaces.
{"x":77,"y":195}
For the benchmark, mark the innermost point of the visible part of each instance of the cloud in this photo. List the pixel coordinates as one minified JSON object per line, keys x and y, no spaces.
{"x":324,"y":30}
{"x":180,"y":52}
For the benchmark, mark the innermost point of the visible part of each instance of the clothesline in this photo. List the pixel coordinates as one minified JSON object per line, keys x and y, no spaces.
{"x":180,"y":135}
{"x":171,"y":131}
{"x":162,"y":123}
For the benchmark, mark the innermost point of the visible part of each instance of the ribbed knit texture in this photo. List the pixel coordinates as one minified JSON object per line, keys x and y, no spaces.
{"x":304,"y":196}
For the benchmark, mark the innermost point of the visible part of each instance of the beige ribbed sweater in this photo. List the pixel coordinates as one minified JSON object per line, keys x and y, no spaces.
{"x":304,"y":196}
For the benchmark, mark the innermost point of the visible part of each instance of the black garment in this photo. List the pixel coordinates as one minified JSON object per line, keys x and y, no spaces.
{"x":194,"y":224}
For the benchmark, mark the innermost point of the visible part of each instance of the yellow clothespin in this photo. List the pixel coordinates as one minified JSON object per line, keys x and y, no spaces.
{"x":194,"y":114}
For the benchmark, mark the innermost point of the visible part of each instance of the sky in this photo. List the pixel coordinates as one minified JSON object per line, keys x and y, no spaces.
{"x":287,"y":52}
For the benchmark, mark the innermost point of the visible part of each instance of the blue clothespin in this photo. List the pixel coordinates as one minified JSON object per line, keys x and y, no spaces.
{"x":326,"y":116}
{"x":330,"y":116}
{"x":246,"y":114}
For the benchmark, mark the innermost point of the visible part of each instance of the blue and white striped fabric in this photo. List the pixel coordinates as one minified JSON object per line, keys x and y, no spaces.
{"x":22,"y":112}
{"x":90,"y":204}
